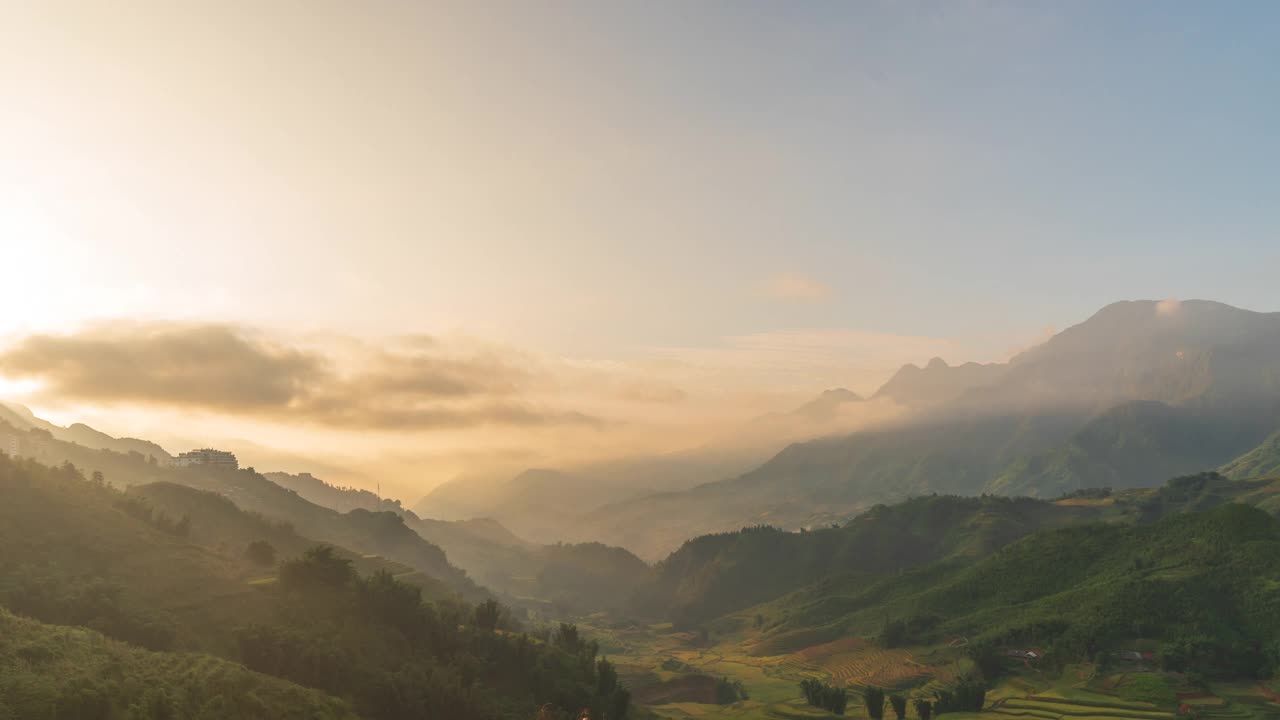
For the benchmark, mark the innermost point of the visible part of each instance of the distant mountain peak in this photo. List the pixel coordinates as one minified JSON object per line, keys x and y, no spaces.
{"x":937,"y":382}
{"x":827,"y":404}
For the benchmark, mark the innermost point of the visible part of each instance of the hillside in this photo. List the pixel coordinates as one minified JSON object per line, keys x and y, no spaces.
{"x":579,"y":577}
{"x":379,"y":533}
{"x":72,"y":552}
{"x":716,"y":574}
{"x":77,"y":552}
{"x":218,"y":524}
{"x":1201,"y":584}
{"x":21,"y":418}
{"x":1137,"y":444}
{"x":342,"y":499}
{"x":50,"y":672}
{"x":1261,"y":461}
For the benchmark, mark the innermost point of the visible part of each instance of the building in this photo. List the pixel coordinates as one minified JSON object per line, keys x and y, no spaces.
{"x":206,"y":456}
{"x":11,"y":445}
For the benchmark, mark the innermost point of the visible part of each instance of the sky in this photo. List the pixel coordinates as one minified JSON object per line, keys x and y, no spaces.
{"x":441,"y":233}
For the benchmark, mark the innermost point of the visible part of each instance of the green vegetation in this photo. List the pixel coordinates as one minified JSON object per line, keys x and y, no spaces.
{"x":77,"y":552}
{"x":716,"y":574}
{"x":1262,"y":461}
{"x":1207,"y":594}
{"x":51,"y":673}
{"x":828,"y":697}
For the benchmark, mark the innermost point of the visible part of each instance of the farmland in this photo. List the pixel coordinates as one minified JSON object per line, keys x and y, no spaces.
{"x":672,"y":674}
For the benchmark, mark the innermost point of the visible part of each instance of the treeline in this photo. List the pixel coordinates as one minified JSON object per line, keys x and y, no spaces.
{"x":828,"y":697}
{"x":374,"y":640}
{"x":141,"y":508}
{"x":968,"y":695}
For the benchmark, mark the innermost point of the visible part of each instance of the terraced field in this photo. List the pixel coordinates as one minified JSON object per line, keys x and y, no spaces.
{"x":1063,"y":709}
{"x":658,"y":663}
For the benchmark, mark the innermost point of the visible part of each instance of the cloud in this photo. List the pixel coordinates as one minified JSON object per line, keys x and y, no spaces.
{"x":801,"y":361}
{"x":793,"y":286}
{"x":421,"y":383}
{"x":1169,"y":307}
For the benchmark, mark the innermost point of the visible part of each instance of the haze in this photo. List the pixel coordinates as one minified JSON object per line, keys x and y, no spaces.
{"x":409,"y":241}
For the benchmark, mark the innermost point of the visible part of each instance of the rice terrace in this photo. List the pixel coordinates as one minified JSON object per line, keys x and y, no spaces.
{"x":674,"y":673}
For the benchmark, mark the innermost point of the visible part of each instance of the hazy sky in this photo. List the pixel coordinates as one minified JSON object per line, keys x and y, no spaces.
{"x":699,"y":205}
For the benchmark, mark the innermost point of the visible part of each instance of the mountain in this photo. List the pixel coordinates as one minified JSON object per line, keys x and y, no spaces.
{"x":377,"y":533}
{"x":827,"y":405}
{"x":1138,"y":392}
{"x":937,"y":383}
{"x":215,"y":522}
{"x":381,"y":533}
{"x":342,"y":499}
{"x":1137,"y":444}
{"x":539,"y":504}
{"x":21,"y":418}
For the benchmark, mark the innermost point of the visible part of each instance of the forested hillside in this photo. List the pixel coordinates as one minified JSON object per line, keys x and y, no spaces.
{"x":1201,"y":584}
{"x":716,"y":574}
{"x":52,"y":672}
{"x":79,"y":552}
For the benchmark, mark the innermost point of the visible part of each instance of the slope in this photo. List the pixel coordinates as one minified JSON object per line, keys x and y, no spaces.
{"x":1261,"y":461}
{"x":1138,"y":444}
{"x":49,"y":672}
{"x":72,"y":553}
{"x":716,"y":574}
{"x":1203,"y":584}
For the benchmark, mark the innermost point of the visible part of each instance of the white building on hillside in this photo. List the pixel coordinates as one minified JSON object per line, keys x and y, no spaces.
{"x":206,"y":456}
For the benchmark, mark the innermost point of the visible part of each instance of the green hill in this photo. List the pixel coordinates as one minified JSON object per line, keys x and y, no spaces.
{"x":216,"y":523}
{"x":378,"y":533}
{"x":77,"y":552}
{"x":1261,"y":461}
{"x":715,"y":574}
{"x":71,"y":552}
{"x":1204,"y":585}
{"x":52,"y":672}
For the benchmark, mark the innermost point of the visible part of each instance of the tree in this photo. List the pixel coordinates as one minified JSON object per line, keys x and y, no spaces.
{"x":924,"y":709}
{"x":319,"y":567}
{"x":893,"y":634}
{"x":899,"y":705}
{"x":873,"y":698}
{"x":819,"y":694}
{"x":261,"y":552}
{"x":98,"y":478}
{"x":726,"y":692}
{"x":487,"y":614}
